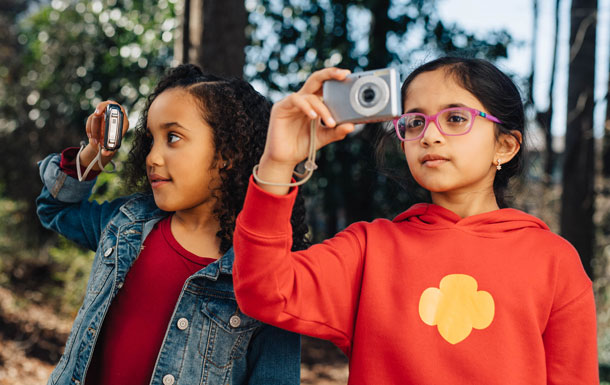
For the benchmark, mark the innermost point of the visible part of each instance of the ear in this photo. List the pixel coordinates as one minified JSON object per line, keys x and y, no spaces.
{"x":508,"y":145}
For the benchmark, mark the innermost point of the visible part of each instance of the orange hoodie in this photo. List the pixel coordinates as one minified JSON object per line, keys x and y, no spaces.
{"x":428,"y":298}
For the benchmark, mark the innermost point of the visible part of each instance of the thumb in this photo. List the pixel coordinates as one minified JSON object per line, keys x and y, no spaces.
{"x":328,"y":135}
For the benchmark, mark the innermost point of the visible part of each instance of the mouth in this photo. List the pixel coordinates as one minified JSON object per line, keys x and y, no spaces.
{"x":433,"y":160}
{"x":157,"y":180}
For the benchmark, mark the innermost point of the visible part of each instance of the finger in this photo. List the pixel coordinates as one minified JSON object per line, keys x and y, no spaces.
{"x":107,"y":153}
{"x":321,"y":109}
{"x":303,"y":104}
{"x":88,"y":127}
{"x":328,"y":135}
{"x":313,"y":84}
{"x":96,"y":128}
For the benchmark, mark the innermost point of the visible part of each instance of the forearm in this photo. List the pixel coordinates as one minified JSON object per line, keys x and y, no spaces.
{"x":311,"y":292}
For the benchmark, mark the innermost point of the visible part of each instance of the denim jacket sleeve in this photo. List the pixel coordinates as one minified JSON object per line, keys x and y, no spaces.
{"x":63,"y":205}
{"x":274,"y":357}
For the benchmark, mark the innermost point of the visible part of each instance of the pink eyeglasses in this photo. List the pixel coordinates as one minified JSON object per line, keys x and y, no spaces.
{"x":452,"y":121}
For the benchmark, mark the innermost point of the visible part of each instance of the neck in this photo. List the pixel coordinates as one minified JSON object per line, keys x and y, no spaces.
{"x":196,"y":231}
{"x":468,"y":203}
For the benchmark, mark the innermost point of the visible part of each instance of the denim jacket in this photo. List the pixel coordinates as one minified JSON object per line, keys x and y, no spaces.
{"x":220,"y":345}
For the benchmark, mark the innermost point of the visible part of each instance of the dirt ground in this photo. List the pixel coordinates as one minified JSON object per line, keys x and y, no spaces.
{"x":31,"y":338}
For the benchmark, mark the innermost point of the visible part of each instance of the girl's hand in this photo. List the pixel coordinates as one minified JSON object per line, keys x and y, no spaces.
{"x":289,"y":129}
{"x":95,"y":132}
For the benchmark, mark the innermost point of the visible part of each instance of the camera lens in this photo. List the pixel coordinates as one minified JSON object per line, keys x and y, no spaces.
{"x":368,"y":95}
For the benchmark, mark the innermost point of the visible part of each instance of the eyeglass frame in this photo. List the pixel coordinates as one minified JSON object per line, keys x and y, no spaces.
{"x":428,"y":118}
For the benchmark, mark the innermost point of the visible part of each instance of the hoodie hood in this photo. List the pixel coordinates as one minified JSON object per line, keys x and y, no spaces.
{"x":493,"y":222}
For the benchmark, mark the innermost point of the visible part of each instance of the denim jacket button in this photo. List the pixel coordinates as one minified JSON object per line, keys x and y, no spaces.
{"x":108,"y":252}
{"x":168,"y":379}
{"x":235,"y":321}
{"x":183,"y":323}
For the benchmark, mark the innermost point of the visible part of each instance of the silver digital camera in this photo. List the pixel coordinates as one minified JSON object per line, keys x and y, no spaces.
{"x":364,"y":97}
{"x":114,"y":127}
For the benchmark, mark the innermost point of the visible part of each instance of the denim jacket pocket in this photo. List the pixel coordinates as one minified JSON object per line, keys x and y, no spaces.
{"x":229,"y":332}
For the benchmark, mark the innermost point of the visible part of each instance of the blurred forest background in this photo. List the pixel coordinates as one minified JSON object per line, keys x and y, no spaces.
{"x":59,"y":58}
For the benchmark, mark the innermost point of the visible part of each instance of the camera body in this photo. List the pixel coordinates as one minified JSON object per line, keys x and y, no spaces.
{"x":114,"y":127}
{"x":364,"y":97}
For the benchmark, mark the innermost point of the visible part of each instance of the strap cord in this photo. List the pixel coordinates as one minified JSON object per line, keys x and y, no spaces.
{"x":97,"y":159}
{"x":310,"y":164}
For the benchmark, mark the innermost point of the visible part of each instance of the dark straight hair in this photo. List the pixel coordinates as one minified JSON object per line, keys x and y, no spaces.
{"x":496,"y":92}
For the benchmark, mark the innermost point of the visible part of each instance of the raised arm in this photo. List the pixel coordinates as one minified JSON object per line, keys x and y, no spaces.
{"x":316,"y":291}
{"x":63,"y":204}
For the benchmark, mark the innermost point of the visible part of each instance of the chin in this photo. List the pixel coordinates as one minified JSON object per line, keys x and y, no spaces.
{"x":163,"y":205}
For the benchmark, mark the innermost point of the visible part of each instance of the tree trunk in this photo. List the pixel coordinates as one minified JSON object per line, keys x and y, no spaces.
{"x":606,"y":140}
{"x":577,"y":203}
{"x":213,"y":36}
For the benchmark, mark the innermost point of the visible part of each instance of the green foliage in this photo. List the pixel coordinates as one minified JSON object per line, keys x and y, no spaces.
{"x":289,"y":39}
{"x":67,"y":56}
{"x":59,"y":60}
{"x":72,"y":265}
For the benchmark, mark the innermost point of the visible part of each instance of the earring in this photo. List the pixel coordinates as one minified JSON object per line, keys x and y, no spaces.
{"x":499,"y":164}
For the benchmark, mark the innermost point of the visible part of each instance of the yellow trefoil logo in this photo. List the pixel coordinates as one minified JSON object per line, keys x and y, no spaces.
{"x":456,"y":307}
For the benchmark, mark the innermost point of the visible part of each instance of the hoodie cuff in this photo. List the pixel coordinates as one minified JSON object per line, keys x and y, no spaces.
{"x":267,"y":213}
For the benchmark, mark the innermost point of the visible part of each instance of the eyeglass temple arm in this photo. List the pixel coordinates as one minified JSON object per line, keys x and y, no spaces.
{"x":490,"y":117}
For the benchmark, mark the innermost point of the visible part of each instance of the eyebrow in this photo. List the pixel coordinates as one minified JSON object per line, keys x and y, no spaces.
{"x":172,"y":124}
{"x":450,"y":105}
{"x":168,"y":125}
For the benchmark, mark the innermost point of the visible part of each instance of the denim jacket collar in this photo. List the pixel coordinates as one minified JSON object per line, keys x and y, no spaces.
{"x":143,"y":208}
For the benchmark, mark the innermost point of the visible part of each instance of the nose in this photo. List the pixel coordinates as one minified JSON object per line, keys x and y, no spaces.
{"x":155,"y":156}
{"x":432,"y":134}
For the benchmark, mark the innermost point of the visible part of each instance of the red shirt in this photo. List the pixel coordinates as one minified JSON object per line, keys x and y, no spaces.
{"x":428,"y":298}
{"x":134,"y":328}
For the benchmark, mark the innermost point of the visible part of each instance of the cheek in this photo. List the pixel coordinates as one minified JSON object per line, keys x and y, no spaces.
{"x":410,"y":155}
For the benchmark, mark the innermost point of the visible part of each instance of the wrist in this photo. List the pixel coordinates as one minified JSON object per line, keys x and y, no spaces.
{"x":88,"y":155}
{"x":276,"y":173}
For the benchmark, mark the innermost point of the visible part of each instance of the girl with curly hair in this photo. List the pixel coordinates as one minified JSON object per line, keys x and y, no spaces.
{"x":159,"y":306}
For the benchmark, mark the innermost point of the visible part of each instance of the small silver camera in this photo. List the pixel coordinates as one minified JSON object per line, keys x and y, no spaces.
{"x":114,"y":127}
{"x":364,"y":97}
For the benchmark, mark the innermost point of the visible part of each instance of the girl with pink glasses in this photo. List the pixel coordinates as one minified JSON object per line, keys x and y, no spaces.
{"x":458,"y":289}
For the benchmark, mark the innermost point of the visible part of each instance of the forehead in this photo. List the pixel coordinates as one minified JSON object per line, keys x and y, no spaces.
{"x":433,"y":90}
{"x":173,"y":103}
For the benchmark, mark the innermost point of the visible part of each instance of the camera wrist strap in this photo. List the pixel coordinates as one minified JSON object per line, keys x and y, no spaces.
{"x":97,"y":159}
{"x":310,"y":164}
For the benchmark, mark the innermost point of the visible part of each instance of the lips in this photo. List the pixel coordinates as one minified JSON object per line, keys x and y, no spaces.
{"x":157,"y":180}
{"x":432,"y":157}
{"x":433,"y":160}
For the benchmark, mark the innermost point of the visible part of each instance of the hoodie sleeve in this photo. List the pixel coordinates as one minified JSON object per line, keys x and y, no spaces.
{"x":313,"y":292}
{"x":570,"y":338}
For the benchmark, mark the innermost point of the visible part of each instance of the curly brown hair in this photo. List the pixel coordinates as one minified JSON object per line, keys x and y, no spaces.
{"x":238,"y":116}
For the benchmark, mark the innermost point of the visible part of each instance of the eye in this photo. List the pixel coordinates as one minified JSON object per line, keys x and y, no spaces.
{"x":415,"y":122}
{"x":172,"y":138}
{"x":457,"y":117}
